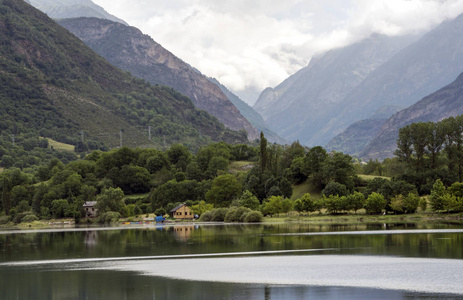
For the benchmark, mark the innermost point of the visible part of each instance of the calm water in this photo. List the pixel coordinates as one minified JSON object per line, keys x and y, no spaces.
{"x":281,"y":261}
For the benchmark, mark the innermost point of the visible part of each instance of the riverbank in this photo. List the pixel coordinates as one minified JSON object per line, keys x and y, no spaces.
{"x":363,"y":218}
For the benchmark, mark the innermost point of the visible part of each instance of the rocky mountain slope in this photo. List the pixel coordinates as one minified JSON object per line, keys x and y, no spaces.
{"x":250,"y":114}
{"x":305,"y":106}
{"x":357,"y":136}
{"x":53,"y":85}
{"x":60,"y":9}
{"x":129,"y":49}
{"x":446,"y":102}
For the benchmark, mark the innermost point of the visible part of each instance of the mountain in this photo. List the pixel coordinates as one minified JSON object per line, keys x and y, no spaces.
{"x":61,"y":9}
{"x":305,"y":105}
{"x":129,"y":49}
{"x":446,"y":102}
{"x":357,"y":136}
{"x":250,"y":114}
{"x":53,"y":85}
{"x":418,"y":70}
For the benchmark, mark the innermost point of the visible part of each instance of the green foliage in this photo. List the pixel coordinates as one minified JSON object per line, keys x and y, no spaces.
{"x":202,"y":207}
{"x":223,"y":190}
{"x":375,"y":203}
{"x":110,"y":200}
{"x":109,"y":217}
{"x":236,"y":214}
{"x":437,"y":194}
{"x":276,"y":205}
{"x":253,"y":217}
{"x":334,"y":188}
{"x":248,"y":200}
{"x":306,"y":204}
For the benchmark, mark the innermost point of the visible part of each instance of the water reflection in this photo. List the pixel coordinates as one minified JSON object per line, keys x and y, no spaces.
{"x":348,"y":241}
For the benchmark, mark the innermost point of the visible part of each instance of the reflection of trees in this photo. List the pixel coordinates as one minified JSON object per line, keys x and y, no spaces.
{"x":231,"y":238}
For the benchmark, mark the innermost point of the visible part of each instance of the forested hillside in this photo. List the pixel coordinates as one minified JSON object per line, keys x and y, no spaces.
{"x":129,"y":49}
{"x":54,"y":86}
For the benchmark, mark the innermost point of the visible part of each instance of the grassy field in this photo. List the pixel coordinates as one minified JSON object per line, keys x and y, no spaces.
{"x":300,"y":189}
{"x":240,"y":166}
{"x":371,"y":177}
{"x":60,"y":146}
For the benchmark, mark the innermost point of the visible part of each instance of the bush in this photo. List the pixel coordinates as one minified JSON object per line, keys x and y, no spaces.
{"x":109,"y":217}
{"x":236,"y":214}
{"x":218,"y":214}
{"x":253,"y":217}
{"x":29,"y":218}
{"x":24,"y":217}
{"x":206,"y":217}
{"x":4,"y":220}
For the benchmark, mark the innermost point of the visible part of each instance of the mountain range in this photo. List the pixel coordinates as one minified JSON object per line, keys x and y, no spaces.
{"x":349,"y":85}
{"x":53,"y":85}
{"x":444,"y":103}
{"x":307,"y":104}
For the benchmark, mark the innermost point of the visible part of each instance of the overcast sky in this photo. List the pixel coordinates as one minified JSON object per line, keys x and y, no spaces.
{"x":249,"y":45}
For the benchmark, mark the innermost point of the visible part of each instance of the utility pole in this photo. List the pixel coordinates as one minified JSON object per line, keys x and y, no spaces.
{"x":12,"y":138}
{"x":149,"y":132}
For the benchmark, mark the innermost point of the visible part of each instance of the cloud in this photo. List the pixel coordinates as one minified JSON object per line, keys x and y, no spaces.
{"x":250,"y":45}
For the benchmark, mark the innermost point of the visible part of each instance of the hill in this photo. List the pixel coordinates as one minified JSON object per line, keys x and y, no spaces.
{"x":129,"y":49}
{"x":305,"y":106}
{"x":447,"y":102}
{"x":60,"y":9}
{"x":54,"y":86}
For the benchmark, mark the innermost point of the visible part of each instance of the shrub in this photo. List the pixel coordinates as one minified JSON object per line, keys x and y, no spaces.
{"x":206,"y":217}
{"x":4,"y":220}
{"x":253,"y":217}
{"x":29,"y":218}
{"x":218,"y":214}
{"x":109,"y":217}
{"x":236,"y":214}
{"x":423,"y":204}
{"x":24,"y":216}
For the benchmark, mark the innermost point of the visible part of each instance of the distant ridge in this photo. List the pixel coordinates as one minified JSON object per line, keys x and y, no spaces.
{"x":308,"y":104}
{"x":446,"y":102}
{"x":61,"y":9}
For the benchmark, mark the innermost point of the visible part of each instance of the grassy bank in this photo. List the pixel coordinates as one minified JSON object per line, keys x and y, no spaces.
{"x":317,"y":218}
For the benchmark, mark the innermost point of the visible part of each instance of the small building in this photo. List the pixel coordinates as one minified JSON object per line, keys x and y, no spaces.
{"x":182,"y":212}
{"x":90,"y":210}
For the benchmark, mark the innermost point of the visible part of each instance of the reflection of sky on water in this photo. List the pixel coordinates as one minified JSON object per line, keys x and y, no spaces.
{"x":379,"y":272}
{"x":394,"y":273}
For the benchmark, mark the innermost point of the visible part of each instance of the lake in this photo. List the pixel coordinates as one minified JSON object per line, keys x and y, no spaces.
{"x":271,"y":261}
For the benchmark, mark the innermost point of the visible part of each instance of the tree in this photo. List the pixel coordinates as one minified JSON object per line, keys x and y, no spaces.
{"x":110,"y":200}
{"x":202,"y":207}
{"x":263,"y":152}
{"x":356,"y":201}
{"x":437,"y":193}
{"x":224,"y":188}
{"x":248,"y":200}
{"x":334,"y":188}
{"x":375,"y":203}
